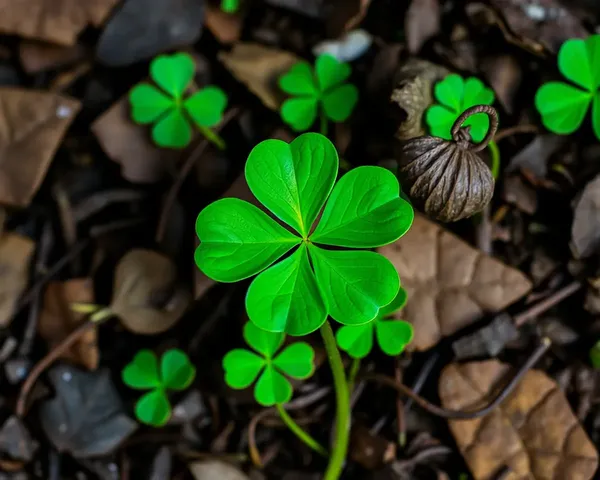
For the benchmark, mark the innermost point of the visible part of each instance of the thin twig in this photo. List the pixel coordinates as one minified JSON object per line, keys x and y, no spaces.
{"x":547,"y":303}
{"x":509,"y":132}
{"x":400,"y":406}
{"x":422,"y":378}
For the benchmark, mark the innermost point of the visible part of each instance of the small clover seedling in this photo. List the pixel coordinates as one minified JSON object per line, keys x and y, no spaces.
{"x":294,"y":181}
{"x":168,"y":108}
{"x":143,"y":373}
{"x":595,"y":355}
{"x":392,"y":335}
{"x":563,"y":106}
{"x":230,"y":6}
{"x":243,"y":367}
{"x":323,"y":90}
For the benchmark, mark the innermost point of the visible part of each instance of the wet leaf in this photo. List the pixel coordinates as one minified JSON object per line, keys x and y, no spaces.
{"x":85,"y":418}
{"x":259,"y":68}
{"x":147,"y":296}
{"x":58,"y":320}
{"x":15,"y":440}
{"x":585,"y":231}
{"x":533,"y":432}
{"x":15,"y":256}
{"x":450,"y":284}
{"x":55,"y":21}
{"x":216,"y":470}
{"x":32,"y":127}
{"x":413,"y":93}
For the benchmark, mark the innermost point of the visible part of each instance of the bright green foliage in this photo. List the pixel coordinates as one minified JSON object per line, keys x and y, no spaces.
{"x":454,"y":95}
{"x":595,"y":355}
{"x":144,"y":373}
{"x":243,"y":367}
{"x":392,"y":335}
{"x":294,"y":181}
{"x":167,"y":107}
{"x":230,"y":6}
{"x":324,"y":88}
{"x":564,"y":106}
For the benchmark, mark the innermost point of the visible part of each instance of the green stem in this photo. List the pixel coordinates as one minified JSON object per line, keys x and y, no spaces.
{"x":213,"y":137}
{"x":353,"y":372}
{"x":495,"y":153}
{"x":301,"y":434}
{"x":323,"y":123}
{"x":342,"y":426}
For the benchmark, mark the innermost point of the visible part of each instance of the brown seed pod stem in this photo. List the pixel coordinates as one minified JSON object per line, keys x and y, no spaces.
{"x":465,"y":143}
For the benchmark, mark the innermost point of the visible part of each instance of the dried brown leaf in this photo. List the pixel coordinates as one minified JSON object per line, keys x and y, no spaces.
{"x":147,"y":296}
{"x":225,"y":27}
{"x":533,"y":432}
{"x":504,"y":74}
{"x":216,"y":470}
{"x":32,"y":125}
{"x":55,"y":21}
{"x":15,"y":256}
{"x":450,"y":284}
{"x":585,"y":231}
{"x":422,"y":22}
{"x":40,"y":56}
{"x":58,"y":320}
{"x":414,"y":82}
{"x":259,"y":67}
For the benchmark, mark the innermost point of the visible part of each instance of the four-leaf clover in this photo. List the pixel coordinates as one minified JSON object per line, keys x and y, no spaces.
{"x":455,"y":95}
{"x":242,"y":367}
{"x":293,"y":181}
{"x":392,"y":335}
{"x":324,"y":90}
{"x":143,"y":373}
{"x":563,"y":106}
{"x":166,"y":106}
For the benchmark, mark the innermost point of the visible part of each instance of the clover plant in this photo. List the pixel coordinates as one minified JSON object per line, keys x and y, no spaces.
{"x":167,"y":106}
{"x":144,"y":373}
{"x":322,"y":91}
{"x":595,"y":355}
{"x":454,"y":95}
{"x":230,"y":6}
{"x":563,"y":106}
{"x":392,"y":335}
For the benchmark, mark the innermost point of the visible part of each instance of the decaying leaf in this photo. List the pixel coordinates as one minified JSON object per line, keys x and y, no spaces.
{"x":40,"y":56}
{"x":259,"y":67}
{"x":413,"y":93}
{"x":450,"y":284}
{"x":533,"y":432}
{"x":55,"y":21}
{"x":585,"y":231}
{"x":225,"y":27}
{"x":15,"y":256}
{"x":58,"y":320}
{"x":536,"y":155}
{"x":15,"y":440}
{"x":32,"y":125}
{"x":216,"y":470}
{"x":85,"y":417}
{"x":147,"y":296}
{"x":421,"y":23}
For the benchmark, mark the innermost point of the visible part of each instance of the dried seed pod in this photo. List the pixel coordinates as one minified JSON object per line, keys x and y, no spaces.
{"x":446,"y":178}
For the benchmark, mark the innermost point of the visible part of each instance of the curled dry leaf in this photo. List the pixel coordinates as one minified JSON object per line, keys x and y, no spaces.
{"x":31,"y":128}
{"x":259,"y":67}
{"x":533,"y":432}
{"x":585,"y":232}
{"x":414,"y":82}
{"x":54,"y":21}
{"x":58,"y":320}
{"x":450,"y":284}
{"x":147,"y":296}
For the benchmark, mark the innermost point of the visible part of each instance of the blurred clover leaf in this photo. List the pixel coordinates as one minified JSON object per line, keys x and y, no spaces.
{"x":392,"y":335}
{"x":294,"y":181}
{"x":230,"y":6}
{"x":564,"y":106}
{"x":323,"y":90}
{"x":455,"y":95}
{"x":176,"y":372}
{"x":595,"y":355}
{"x":242,"y":367}
{"x":167,"y":107}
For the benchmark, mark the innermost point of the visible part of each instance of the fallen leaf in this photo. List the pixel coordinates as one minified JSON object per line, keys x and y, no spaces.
{"x":15,"y":440}
{"x":32,"y":125}
{"x":259,"y":67}
{"x":15,"y":256}
{"x":216,"y":470}
{"x":147,"y":296}
{"x":535,"y":156}
{"x":516,"y":192}
{"x":226,"y":28}
{"x":55,"y":21}
{"x":369,"y":450}
{"x":422,"y":22}
{"x":533,"y":432}
{"x":503,"y":73}
{"x":162,"y":464}
{"x":414,"y":82}
{"x":85,"y":418}
{"x":585,"y":231}
{"x":39,"y":57}
{"x":450,"y":284}
{"x":58,"y":320}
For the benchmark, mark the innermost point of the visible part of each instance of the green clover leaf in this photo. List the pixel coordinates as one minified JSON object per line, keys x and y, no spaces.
{"x":595,"y":355}
{"x":243,"y":367}
{"x":230,"y":6}
{"x":144,"y":373}
{"x":294,"y":182}
{"x":322,"y":89}
{"x":454,"y":95}
{"x":392,"y":335}
{"x":166,"y":107}
{"x":562,"y":106}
